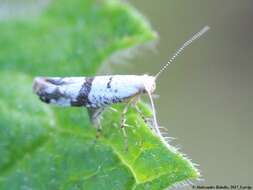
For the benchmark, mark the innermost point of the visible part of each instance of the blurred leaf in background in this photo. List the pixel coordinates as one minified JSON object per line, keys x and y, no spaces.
{"x":45,"y":147}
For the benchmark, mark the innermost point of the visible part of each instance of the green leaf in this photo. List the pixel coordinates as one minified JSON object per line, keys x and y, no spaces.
{"x":71,"y":37}
{"x":47,"y":147}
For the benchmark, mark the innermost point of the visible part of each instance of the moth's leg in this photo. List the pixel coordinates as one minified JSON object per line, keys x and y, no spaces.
{"x":95,"y":117}
{"x":147,"y":120}
{"x":99,"y":129}
{"x":123,"y":124}
{"x":113,"y":109}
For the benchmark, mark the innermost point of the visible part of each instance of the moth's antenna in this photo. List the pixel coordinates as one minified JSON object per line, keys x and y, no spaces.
{"x":180,"y":50}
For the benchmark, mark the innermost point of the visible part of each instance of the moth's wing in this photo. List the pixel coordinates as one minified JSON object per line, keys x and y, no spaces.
{"x":62,"y":91}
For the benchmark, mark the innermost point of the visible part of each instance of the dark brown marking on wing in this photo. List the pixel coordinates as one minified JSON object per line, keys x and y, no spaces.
{"x":48,"y":97}
{"x":44,"y":99}
{"x":58,"y":81}
{"x":109,"y":83}
{"x":82,"y":99}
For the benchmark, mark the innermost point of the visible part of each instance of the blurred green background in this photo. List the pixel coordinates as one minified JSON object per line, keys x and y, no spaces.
{"x":206,"y":95}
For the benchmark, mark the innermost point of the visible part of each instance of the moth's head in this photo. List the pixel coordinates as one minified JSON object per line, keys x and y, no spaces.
{"x":149,"y":83}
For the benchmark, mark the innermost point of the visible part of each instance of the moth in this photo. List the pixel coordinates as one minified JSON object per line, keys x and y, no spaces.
{"x":98,"y":92}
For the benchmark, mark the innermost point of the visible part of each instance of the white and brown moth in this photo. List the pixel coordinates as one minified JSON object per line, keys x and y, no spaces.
{"x":96,"y":93}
